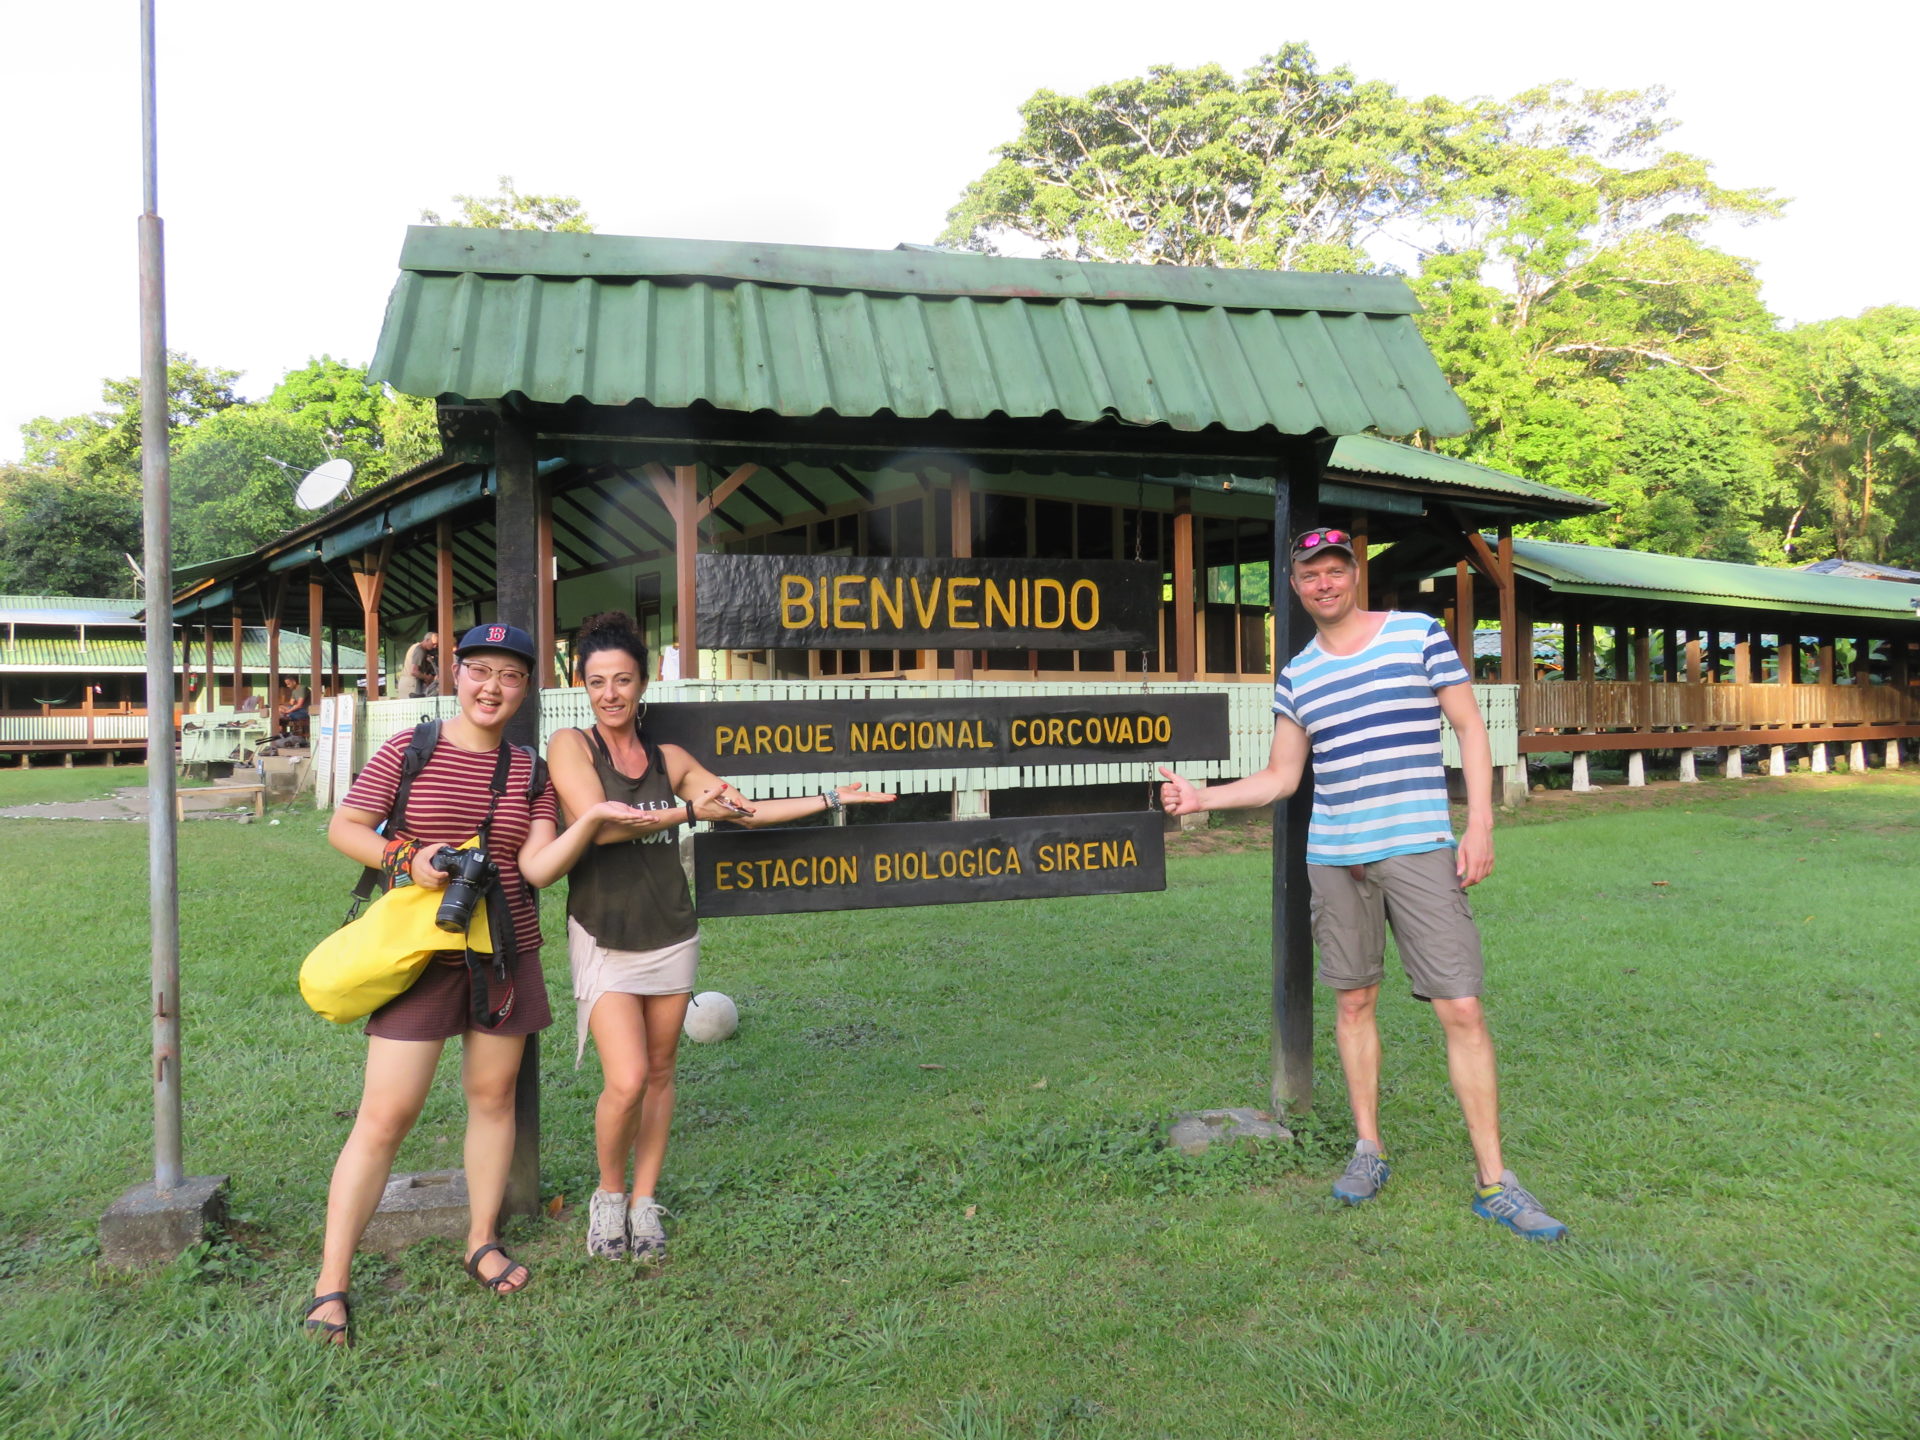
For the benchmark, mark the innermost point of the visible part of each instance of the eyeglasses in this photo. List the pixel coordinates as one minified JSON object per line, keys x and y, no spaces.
{"x":1314,"y":539}
{"x":481,"y":674}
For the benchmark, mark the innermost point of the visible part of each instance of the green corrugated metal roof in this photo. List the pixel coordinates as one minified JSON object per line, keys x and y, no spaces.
{"x":1592,"y":570}
{"x":106,"y":654}
{"x":62,"y":609}
{"x":804,"y":330}
{"x":1370,"y":455}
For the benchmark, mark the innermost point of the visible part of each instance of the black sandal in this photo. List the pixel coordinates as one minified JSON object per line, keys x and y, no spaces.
{"x":498,"y":1284}
{"x":326,"y":1331}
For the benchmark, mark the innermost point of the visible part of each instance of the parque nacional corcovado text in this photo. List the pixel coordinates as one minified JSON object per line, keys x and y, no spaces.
{"x":877,"y":737}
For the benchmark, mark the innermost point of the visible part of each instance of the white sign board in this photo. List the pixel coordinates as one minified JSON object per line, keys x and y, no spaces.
{"x":323,"y":756}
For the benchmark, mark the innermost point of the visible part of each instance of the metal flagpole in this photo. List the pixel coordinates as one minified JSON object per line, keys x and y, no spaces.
{"x":162,"y":856}
{"x":155,"y":1223}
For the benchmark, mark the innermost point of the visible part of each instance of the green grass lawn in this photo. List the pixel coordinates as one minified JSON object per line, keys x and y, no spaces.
{"x":920,"y":1192}
{"x":43,"y":784}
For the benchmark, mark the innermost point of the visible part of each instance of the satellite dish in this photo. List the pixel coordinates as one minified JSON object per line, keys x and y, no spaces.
{"x":323,"y":484}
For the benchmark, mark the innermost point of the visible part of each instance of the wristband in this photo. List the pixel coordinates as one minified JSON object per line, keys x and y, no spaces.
{"x":397,"y":860}
{"x":832,"y":797}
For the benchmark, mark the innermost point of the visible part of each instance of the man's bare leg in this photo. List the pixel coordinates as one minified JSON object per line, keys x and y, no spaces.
{"x":1357,"y":1036}
{"x":1476,"y":1084}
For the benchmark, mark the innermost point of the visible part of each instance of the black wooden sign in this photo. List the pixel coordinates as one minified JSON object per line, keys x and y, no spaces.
{"x":833,"y":602}
{"x":867,"y":867}
{"x":785,"y":737}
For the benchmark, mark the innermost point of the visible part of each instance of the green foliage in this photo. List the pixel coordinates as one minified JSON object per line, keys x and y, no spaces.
{"x":61,"y":535}
{"x":1852,"y":446}
{"x":510,"y":210}
{"x":106,"y":442}
{"x":228,"y":495}
{"x":1286,"y":167}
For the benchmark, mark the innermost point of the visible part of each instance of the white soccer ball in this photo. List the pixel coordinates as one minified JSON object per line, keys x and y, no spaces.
{"x":711,"y":1016}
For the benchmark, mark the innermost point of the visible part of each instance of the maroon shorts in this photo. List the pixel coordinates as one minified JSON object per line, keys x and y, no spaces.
{"x":439,"y":1005}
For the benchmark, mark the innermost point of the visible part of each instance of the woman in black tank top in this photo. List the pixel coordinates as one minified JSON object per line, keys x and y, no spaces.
{"x":629,"y":918}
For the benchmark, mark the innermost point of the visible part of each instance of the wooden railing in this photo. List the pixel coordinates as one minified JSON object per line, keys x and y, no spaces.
{"x":1625,"y":705}
{"x":53,"y":727}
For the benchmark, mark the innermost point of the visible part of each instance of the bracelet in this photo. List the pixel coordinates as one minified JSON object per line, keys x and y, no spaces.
{"x":832,"y":797}
{"x":397,"y":859}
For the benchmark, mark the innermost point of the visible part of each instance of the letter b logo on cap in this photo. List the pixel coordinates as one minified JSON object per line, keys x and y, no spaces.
{"x":496,"y":633}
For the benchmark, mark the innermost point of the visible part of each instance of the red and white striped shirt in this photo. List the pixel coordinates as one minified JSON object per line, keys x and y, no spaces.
{"x":447,"y":802}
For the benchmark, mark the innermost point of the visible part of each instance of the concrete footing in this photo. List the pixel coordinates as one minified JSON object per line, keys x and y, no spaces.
{"x":151,"y":1227}
{"x":1821,"y":762}
{"x":1689,"y":772}
{"x":414,"y":1207}
{"x":1636,"y":767}
{"x":1735,"y":763}
{"x":1776,"y":760}
{"x":1513,"y":783}
{"x":1857,"y":756}
{"x":1893,"y":754}
{"x":1194,"y":1132}
{"x":1581,"y":784}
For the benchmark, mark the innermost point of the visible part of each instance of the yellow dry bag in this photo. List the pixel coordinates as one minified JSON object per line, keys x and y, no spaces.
{"x":366,"y":963}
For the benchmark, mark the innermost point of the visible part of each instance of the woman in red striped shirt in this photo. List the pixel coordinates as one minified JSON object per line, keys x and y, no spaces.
{"x":449,"y":801}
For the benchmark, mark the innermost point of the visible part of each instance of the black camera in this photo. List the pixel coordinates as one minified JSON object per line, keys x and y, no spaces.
{"x":470,"y":874}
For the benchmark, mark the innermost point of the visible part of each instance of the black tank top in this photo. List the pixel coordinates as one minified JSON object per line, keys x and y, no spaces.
{"x":633,"y":896}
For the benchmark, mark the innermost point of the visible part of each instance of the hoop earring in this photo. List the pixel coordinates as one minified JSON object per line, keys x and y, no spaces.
{"x":642,"y":714}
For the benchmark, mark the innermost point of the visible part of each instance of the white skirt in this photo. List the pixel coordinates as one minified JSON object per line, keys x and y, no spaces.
{"x":598,"y":970}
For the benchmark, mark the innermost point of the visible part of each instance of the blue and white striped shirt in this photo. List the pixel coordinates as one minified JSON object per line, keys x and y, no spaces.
{"x":1379,"y":788}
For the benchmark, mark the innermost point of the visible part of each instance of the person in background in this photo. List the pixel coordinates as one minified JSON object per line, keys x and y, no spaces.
{"x":292,"y":704}
{"x":422,"y":667}
{"x":1367,"y":695}
{"x":632,"y":942}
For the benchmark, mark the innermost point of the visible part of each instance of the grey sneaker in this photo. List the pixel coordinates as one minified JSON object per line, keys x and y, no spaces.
{"x":607,"y":1225}
{"x":1364,"y":1175}
{"x":1510,"y":1203}
{"x":648,"y":1237}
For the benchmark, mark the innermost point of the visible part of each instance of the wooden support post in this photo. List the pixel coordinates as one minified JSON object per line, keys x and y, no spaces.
{"x":1743,"y":658}
{"x":316,"y":618}
{"x":519,"y":590}
{"x":1863,"y":661}
{"x":962,"y":514}
{"x":1357,"y":523}
{"x":239,"y":653}
{"x":1296,"y":507}
{"x":1789,"y":661}
{"x":1587,"y":659}
{"x":273,"y":595}
{"x":370,"y":579}
{"x":1523,"y":641}
{"x":1694,"y":675}
{"x":1827,"y":674}
{"x":1463,"y":613}
{"x":546,"y":582}
{"x":1185,"y":635}
{"x":686,"y":549}
{"x":1715,"y":653}
{"x":1512,"y":658}
{"x":1670,"y":655}
{"x":443,"y":599}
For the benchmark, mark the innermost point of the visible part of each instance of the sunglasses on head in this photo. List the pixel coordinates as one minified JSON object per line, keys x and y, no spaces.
{"x":1314,"y":539}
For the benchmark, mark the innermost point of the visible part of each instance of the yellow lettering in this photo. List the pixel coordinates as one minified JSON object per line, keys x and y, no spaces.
{"x":893,"y":605}
{"x":1162,"y":729}
{"x":929,"y":607}
{"x":1040,"y":590}
{"x":762,"y":739}
{"x":796,"y":609}
{"x":1127,"y":855}
{"x":1092,"y":593}
{"x":995,"y":599}
{"x":1047,"y":859}
{"x":1056,"y":732}
{"x":843,"y":602}
{"x":722,"y":875}
{"x":1013,"y":861}
{"x":955,"y":604}
{"x":1109,"y":854}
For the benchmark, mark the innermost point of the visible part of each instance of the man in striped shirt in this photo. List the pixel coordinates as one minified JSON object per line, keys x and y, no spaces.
{"x":1366,"y":696}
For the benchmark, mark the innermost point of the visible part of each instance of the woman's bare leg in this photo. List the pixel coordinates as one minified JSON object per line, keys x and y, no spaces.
{"x":664,"y":1015}
{"x":489,"y":1070}
{"x":618,"y":1023}
{"x":399,"y":1074}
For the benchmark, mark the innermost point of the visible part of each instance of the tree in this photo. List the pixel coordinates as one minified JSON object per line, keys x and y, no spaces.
{"x":1852,"y":446}
{"x":1284,"y":168}
{"x":510,"y":210}
{"x":60,"y":536}
{"x":229,"y":497}
{"x":107,"y":441}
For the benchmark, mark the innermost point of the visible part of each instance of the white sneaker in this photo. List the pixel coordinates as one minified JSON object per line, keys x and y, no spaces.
{"x":647,"y":1237}
{"x":607,"y":1225}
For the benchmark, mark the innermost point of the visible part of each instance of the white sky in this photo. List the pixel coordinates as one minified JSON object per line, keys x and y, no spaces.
{"x":298,"y":141}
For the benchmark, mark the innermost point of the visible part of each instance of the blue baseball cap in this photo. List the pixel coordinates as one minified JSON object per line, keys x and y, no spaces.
{"x":510,"y":638}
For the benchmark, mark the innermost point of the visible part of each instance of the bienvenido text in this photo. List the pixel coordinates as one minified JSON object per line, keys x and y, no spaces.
{"x":964,"y":602}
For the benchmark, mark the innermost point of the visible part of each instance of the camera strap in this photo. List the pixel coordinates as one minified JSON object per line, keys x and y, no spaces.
{"x":483,"y":972}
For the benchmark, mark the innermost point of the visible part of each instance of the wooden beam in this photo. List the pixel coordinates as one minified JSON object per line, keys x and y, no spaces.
{"x":273,"y":595}
{"x":962,"y":523}
{"x":686,"y":545}
{"x":370,"y":580}
{"x":239,"y":665}
{"x":1185,"y":634}
{"x":1357,"y":523}
{"x":543,"y":587}
{"x":443,"y":598}
{"x":1512,"y":658}
{"x":1463,"y":613}
{"x":726,"y":487}
{"x":316,"y":617}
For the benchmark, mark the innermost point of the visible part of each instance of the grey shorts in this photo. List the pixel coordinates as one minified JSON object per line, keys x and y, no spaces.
{"x":1420,"y":897}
